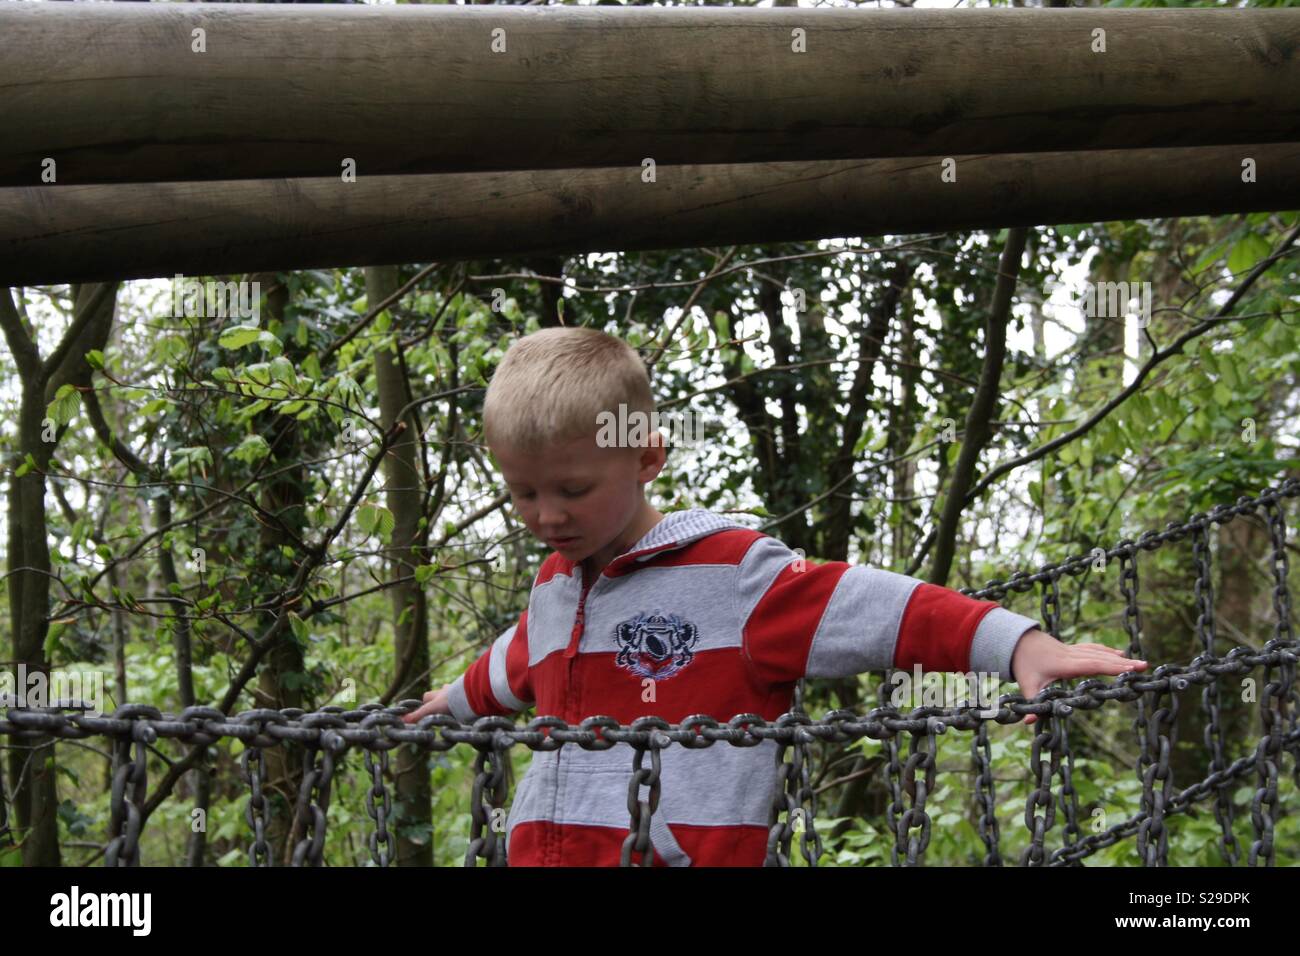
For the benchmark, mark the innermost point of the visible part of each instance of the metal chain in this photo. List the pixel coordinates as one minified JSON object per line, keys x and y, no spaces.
{"x":893,"y":772}
{"x":638,"y":836}
{"x":258,"y":811}
{"x":1273,"y":714}
{"x":1128,"y":575}
{"x":488,"y":795}
{"x":921,"y":754}
{"x":806,"y":797}
{"x":1047,"y":733}
{"x":311,"y":813}
{"x":1203,"y":592}
{"x":332,"y":732}
{"x":1282,"y":611}
{"x":441,"y":733}
{"x":1069,"y":798}
{"x":380,"y":841}
{"x":1182,"y":803}
{"x":1021,"y":582}
{"x":126,"y":816}
{"x":1154,"y":802}
{"x":985,"y":796}
{"x":789,"y":777}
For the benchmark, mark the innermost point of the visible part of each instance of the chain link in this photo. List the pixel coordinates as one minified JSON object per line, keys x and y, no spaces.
{"x":1047,"y":733}
{"x":893,"y":773}
{"x":1273,"y":714}
{"x":1069,"y":799}
{"x":488,"y":796}
{"x":129,"y":789}
{"x":380,"y":841}
{"x":1282,"y":612}
{"x":1154,"y":802}
{"x":924,"y":745}
{"x":1203,"y":592}
{"x":985,"y":794}
{"x":311,"y":812}
{"x":638,"y":836}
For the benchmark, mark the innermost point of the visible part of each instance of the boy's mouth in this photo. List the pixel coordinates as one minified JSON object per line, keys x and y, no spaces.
{"x":560,"y":542}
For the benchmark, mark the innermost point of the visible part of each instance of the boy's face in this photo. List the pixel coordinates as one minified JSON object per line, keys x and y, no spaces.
{"x":577,"y":497}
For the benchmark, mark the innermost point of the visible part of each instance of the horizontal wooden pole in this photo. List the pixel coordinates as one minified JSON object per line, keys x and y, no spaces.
{"x":88,"y":233}
{"x":116,"y":92}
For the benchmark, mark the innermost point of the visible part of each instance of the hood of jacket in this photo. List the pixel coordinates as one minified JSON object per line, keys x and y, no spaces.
{"x":676,"y":530}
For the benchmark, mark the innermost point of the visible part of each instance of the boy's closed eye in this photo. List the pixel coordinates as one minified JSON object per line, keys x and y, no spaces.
{"x":567,"y":492}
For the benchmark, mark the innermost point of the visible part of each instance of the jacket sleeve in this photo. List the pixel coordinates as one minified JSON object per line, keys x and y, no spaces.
{"x":498,"y":683}
{"x":804,"y":619}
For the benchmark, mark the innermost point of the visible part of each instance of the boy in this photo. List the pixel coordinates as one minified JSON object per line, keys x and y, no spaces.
{"x":638,"y":613}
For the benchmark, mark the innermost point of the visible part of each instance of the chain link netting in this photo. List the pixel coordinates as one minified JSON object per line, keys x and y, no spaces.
{"x":328,"y":735}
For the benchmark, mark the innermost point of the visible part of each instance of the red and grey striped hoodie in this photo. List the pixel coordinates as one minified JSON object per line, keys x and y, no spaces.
{"x":701,"y":616}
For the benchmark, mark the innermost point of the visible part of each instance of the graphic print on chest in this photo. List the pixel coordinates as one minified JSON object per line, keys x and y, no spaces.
{"x":655,"y":645}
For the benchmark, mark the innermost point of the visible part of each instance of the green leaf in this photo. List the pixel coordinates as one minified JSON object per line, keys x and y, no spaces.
{"x":722,"y":326}
{"x":252,"y":449}
{"x":95,"y":358}
{"x":238,"y":336}
{"x":282,"y":370}
{"x":1231,"y":374}
{"x":1248,"y":251}
{"x":376,"y":519}
{"x":64,"y":407}
{"x":52,"y":642}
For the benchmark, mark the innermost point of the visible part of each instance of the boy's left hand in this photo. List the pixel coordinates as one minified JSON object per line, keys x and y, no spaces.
{"x":1040,"y":659}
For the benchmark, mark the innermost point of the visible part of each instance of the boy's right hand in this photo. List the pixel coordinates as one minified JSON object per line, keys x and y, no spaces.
{"x":435,"y":702}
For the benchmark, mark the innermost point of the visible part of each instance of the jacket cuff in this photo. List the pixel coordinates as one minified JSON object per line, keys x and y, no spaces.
{"x":995,"y":641}
{"x":458,"y":703}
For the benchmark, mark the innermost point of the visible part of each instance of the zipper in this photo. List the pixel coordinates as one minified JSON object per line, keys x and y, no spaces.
{"x":579,"y":622}
{"x":571,"y":653}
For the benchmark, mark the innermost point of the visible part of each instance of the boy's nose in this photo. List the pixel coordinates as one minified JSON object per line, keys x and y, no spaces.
{"x":552,"y":520}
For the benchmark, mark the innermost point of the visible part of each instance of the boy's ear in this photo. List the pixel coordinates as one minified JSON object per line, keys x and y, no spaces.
{"x":653,"y":457}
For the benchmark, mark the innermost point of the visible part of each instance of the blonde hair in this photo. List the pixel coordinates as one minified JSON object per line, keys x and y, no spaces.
{"x":552,"y":385}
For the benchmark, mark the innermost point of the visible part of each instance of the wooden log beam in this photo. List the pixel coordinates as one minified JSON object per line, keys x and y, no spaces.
{"x":54,"y":234}
{"x":117,"y":92}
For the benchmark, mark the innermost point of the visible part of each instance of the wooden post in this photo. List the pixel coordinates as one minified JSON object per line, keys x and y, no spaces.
{"x":86,"y":233}
{"x":141,"y":92}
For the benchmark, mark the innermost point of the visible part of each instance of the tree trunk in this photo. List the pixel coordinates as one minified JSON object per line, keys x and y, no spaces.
{"x":32,"y":763}
{"x":413,"y":816}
